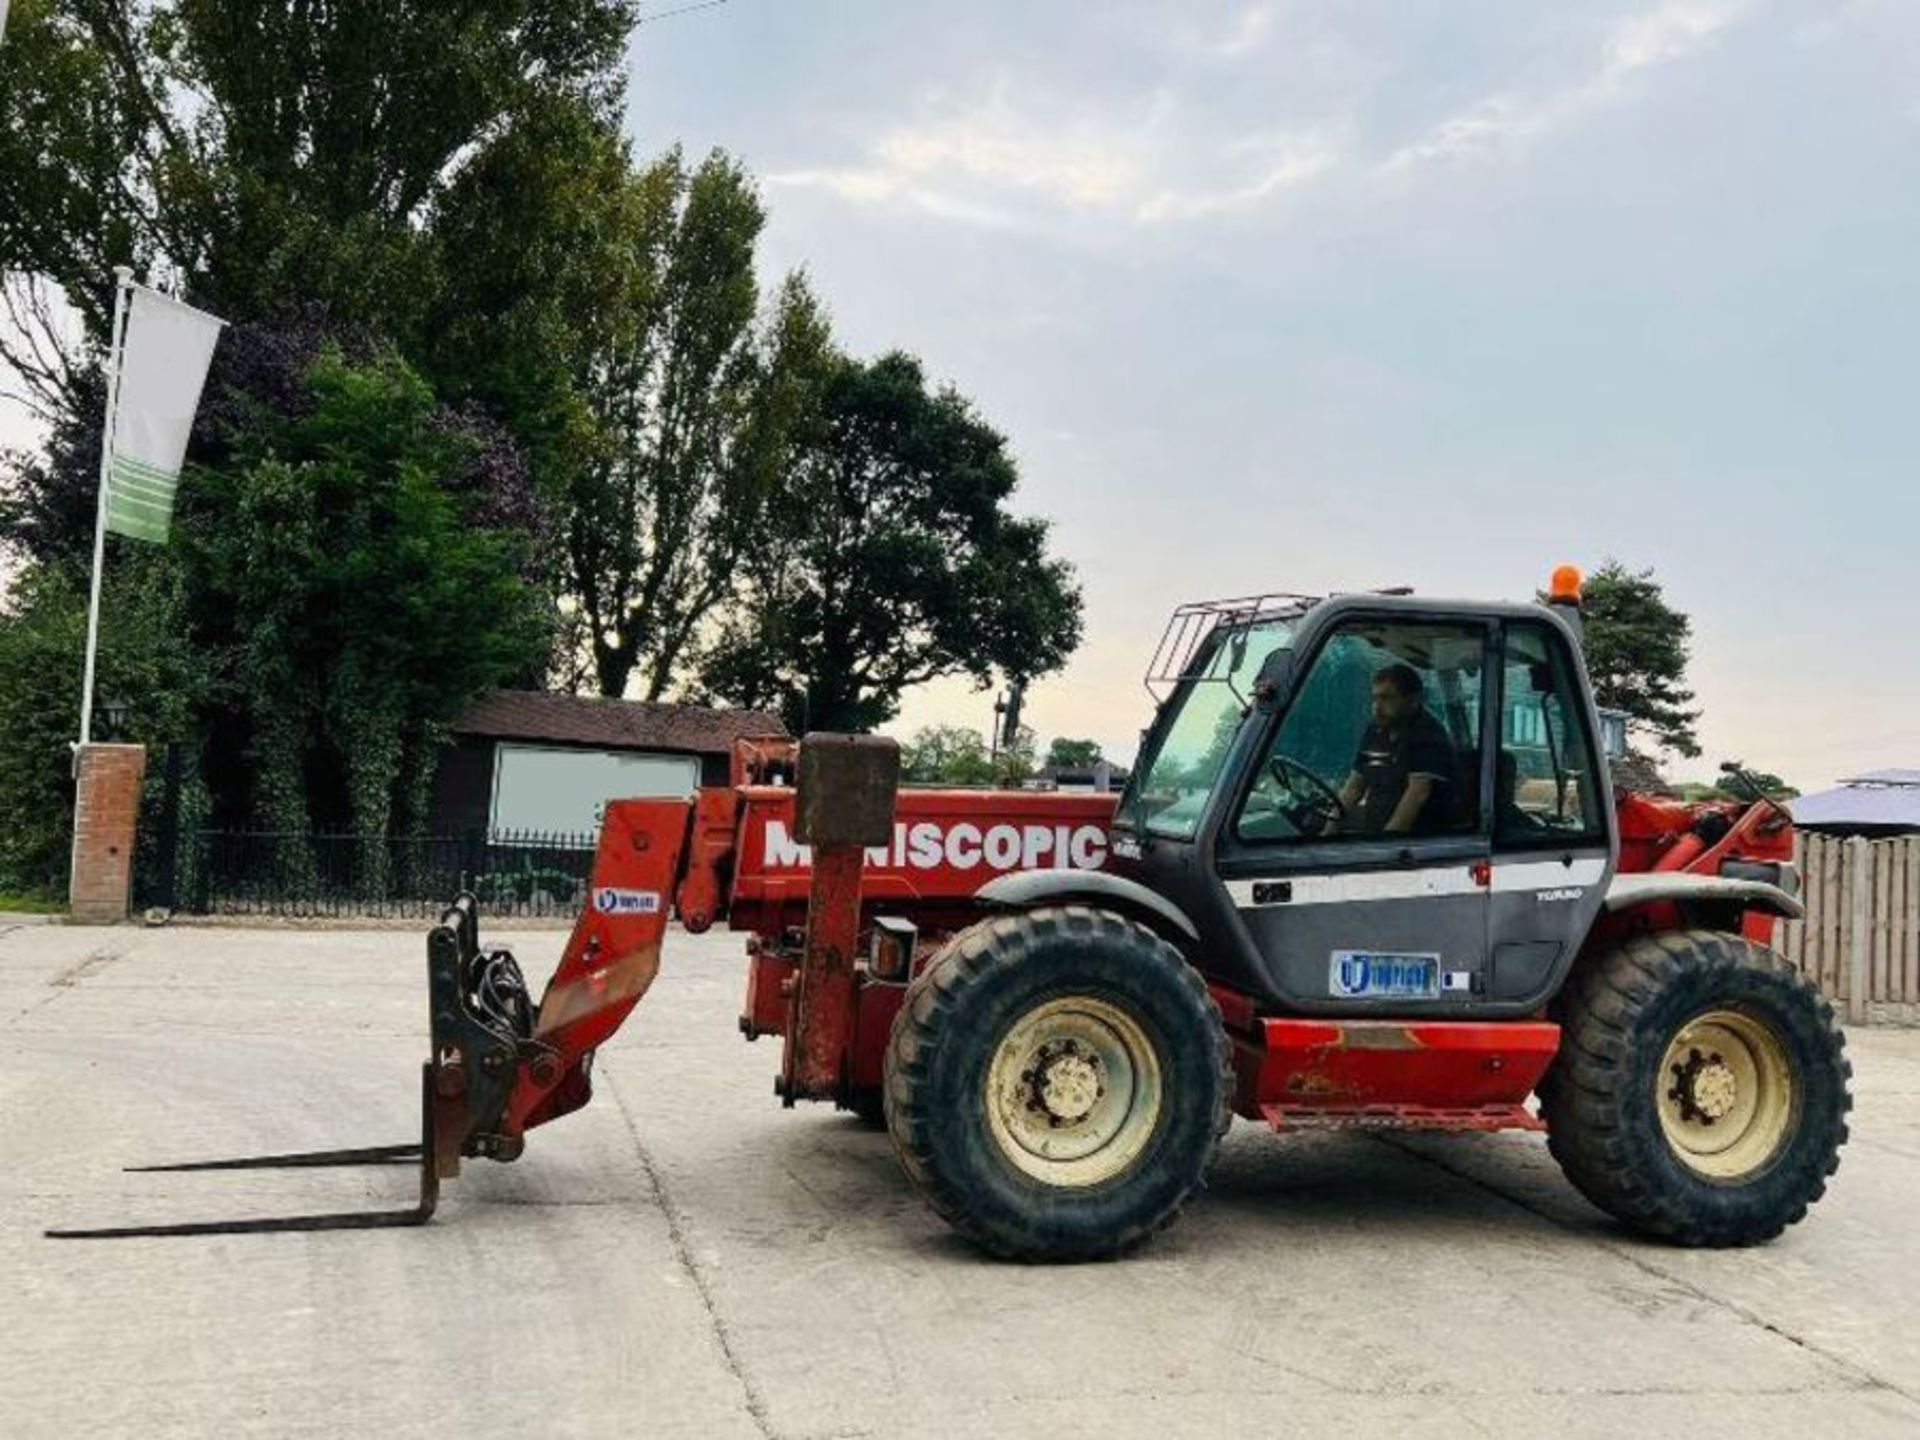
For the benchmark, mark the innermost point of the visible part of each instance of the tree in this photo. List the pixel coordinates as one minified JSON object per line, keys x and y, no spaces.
{"x":697,"y":407}
{"x":550,"y":247}
{"x":291,"y":166}
{"x":1018,"y":758}
{"x":145,"y":668}
{"x":353,"y":586}
{"x":1730,"y":787}
{"x":890,"y":559}
{"x":269,"y":154}
{"x":959,"y":755}
{"x":351,"y":558}
{"x":1769,"y":784}
{"x":946,"y":755}
{"x":477,"y":360}
{"x":1065,"y":754}
{"x":1636,"y":648}
{"x":47,"y":501}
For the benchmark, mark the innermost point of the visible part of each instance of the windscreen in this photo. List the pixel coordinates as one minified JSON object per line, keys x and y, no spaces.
{"x":1169,"y":793}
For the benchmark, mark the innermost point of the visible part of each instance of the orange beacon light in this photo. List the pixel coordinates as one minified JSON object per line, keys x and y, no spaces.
{"x":1564,"y":588}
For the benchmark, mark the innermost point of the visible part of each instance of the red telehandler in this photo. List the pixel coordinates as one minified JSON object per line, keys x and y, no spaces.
{"x":1369,"y":872}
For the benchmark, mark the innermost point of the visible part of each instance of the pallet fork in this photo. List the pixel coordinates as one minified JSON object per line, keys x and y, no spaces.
{"x":498,"y":1065}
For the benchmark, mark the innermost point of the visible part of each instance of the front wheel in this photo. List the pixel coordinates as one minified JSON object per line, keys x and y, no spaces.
{"x":1700,"y":1094}
{"x":1057,"y":1083}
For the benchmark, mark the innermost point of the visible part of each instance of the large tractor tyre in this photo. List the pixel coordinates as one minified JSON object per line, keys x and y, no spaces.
{"x":1057,"y":1083}
{"x":1700,"y":1093}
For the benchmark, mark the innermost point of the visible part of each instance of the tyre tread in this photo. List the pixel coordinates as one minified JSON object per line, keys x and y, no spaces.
{"x":977,"y":958}
{"x":1600,"y":1136}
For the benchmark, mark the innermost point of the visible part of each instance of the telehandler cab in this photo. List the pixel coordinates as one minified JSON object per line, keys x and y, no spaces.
{"x":1369,"y":872}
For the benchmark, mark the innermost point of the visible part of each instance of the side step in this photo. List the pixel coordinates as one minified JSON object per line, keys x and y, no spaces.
{"x":1401,"y":1117}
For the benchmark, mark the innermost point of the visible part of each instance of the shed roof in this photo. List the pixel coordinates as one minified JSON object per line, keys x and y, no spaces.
{"x":1880,"y":798}
{"x":1885,"y":777}
{"x":540,"y":715}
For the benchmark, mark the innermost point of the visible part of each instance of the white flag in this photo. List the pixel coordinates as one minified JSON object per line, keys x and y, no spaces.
{"x":163,"y":365}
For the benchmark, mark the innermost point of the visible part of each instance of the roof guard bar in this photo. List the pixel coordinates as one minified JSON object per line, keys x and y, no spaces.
{"x":1191,"y":625}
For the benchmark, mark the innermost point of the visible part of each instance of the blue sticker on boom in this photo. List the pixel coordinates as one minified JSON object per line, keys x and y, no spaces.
{"x":610,"y":901}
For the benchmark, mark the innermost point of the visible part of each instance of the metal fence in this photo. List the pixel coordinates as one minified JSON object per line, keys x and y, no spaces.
{"x":251,"y":872}
{"x":1860,"y":940}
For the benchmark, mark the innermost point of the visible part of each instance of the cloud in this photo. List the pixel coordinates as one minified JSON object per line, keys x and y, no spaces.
{"x":1193,"y":142}
{"x":1249,"y":29}
{"x":1281,"y":162}
{"x":1664,"y":33}
{"x":997,"y":161}
{"x":1653,"y":37}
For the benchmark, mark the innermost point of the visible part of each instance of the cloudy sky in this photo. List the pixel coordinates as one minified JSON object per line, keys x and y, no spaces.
{"x":1340,"y":295}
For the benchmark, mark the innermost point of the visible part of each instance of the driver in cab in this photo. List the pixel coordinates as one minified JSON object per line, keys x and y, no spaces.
{"x":1404,"y":768}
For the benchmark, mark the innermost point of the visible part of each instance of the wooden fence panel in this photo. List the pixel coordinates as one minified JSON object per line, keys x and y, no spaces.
{"x":1910,"y":922}
{"x":1860,"y":940}
{"x":1882,"y":920}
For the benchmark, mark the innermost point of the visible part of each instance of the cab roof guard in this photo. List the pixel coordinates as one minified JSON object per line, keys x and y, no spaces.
{"x":1190,"y":626}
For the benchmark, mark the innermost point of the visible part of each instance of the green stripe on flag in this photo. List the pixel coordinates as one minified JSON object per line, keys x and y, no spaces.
{"x":141,"y":490}
{"x":154,"y":531}
{"x":140,"y":500}
{"x":127,"y":465}
{"x":151,"y":494}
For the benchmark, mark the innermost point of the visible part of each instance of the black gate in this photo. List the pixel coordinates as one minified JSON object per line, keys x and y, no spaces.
{"x":243,"y":872}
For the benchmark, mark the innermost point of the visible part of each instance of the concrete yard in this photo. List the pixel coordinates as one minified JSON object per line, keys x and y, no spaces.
{"x":686,"y":1258}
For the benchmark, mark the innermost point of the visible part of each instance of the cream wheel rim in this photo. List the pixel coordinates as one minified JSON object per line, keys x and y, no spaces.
{"x":1725,"y":1094}
{"x":1073,"y":1091}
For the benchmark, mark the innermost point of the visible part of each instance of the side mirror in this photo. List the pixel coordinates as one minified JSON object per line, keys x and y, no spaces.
{"x":1613,"y":734}
{"x":1237,"y":651}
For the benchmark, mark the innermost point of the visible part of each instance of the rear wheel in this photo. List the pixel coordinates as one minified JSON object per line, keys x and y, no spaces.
{"x":1700,"y":1094}
{"x":1057,"y":1083}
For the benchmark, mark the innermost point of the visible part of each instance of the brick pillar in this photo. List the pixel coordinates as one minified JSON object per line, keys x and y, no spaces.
{"x":106,"y":812}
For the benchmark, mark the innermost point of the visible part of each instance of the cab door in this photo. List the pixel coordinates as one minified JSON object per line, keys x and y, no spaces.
{"x":1343,"y":910}
{"x":1552,"y":821}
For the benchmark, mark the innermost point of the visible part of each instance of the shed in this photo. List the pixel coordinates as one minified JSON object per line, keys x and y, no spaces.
{"x":1878,"y":803}
{"x":533,"y":761}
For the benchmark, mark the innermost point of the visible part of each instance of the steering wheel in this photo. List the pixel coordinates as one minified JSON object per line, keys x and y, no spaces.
{"x":1319,"y":800}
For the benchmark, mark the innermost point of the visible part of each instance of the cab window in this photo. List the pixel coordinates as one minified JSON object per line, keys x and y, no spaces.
{"x":1169,"y":793}
{"x":1546,"y":790}
{"x":1381,"y":739}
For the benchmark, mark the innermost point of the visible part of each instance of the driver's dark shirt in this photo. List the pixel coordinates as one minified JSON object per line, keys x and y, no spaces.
{"x":1385,"y":761}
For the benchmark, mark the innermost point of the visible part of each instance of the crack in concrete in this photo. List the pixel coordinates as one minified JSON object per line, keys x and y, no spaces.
{"x":1864,"y":1379}
{"x":92,"y":962}
{"x":756,"y":1403}
{"x":68,"y":979}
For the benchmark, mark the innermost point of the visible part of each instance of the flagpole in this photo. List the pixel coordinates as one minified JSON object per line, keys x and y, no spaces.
{"x":123,"y":279}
